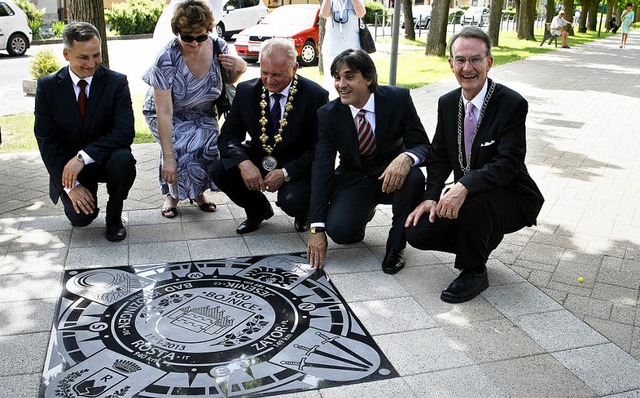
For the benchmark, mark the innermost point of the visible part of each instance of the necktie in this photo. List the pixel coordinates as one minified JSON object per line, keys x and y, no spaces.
{"x":366,"y":138}
{"x":276,"y":112}
{"x":82,"y":98}
{"x":469,"y":129}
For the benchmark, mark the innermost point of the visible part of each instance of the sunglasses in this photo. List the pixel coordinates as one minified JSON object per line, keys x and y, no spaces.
{"x":190,"y":38}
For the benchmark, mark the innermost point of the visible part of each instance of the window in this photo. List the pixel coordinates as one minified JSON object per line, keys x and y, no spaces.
{"x":5,"y":10}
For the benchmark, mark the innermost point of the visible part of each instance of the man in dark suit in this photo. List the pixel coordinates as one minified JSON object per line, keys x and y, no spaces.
{"x":380,"y":140}
{"x":481,"y":137}
{"x":84,"y":127}
{"x":278,"y":111}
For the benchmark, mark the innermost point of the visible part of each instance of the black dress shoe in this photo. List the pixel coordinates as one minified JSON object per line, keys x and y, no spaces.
{"x":393,"y":261}
{"x":301,"y":223}
{"x":116,"y":233}
{"x":466,"y":286}
{"x":251,"y":224}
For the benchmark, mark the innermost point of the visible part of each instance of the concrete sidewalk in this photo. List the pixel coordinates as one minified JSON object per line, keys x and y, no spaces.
{"x":536,"y":332}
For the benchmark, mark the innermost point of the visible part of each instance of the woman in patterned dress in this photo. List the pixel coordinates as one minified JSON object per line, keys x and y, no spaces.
{"x":626,"y":19}
{"x":185,"y":81}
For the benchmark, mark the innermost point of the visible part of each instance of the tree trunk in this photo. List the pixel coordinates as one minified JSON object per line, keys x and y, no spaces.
{"x":527,"y":19}
{"x":437,"y":37}
{"x":409,"y":31}
{"x":516,"y":6}
{"x":592,"y":22}
{"x":321,"y":22}
{"x":569,"y":12}
{"x":610,"y":5}
{"x":582,"y":28}
{"x":551,"y":11}
{"x":91,"y":11}
{"x":494,"y":21}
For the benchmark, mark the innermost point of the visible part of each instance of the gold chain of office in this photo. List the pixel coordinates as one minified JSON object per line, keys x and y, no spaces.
{"x":283,"y":122}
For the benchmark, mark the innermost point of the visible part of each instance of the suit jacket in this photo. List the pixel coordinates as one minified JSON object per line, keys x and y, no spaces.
{"x":398,"y":129}
{"x":295,"y":152}
{"x":61,"y":133}
{"x":497,"y":154}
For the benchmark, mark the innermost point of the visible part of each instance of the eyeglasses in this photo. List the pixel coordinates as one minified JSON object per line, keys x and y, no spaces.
{"x":474,"y":61}
{"x":190,"y":38}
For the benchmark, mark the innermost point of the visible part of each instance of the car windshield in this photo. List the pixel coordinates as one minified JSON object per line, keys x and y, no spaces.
{"x":286,"y":15}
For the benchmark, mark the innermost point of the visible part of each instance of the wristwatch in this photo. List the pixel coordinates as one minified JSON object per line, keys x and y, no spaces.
{"x":80,"y":158}
{"x":315,"y":230}
{"x":286,"y":175}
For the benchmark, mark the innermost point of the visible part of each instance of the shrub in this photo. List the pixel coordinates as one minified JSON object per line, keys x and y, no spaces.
{"x":44,"y":62}
{"x":134,"y":16}
{"x":373,"y":8}
{"x":57,"y":27}
{"x":32,"y":12}
{"x":455,"y":15}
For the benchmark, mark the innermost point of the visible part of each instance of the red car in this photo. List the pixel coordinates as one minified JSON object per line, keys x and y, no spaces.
{"x":298,"y":22}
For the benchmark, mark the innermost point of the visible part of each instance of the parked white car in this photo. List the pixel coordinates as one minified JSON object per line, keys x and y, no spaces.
{"x":476,"y":16}
{"x":231,"y":17}
{"x":15,"y":34}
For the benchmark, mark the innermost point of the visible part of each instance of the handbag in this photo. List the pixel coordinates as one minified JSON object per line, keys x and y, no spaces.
{"x":222,"y":105}
{"x":366,"y":40}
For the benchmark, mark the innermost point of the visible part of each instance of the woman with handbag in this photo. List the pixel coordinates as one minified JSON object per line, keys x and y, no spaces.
{"x":341,"y":32}
{"x":186,"y":79}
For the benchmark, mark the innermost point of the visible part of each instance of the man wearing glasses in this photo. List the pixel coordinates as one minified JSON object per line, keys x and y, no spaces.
{"x":481,"y":137}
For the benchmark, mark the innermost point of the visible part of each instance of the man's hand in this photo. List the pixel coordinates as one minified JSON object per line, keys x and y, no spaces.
{"x":82,"y":199}
{"x":251,"y":176}
{"x":274,"y":180}
{"x":170,"y":169}
{"x":317,"y":249}
{"x":426,"y":207}
{"x":451,"y":202}
{"x":394,"y":175}
{"x":70,"y":172}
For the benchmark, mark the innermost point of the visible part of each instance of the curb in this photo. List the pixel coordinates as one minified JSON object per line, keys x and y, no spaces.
{"x":109,"y":38}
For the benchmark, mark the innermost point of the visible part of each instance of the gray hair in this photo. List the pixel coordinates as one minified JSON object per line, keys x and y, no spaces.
{"x":471,"y":32}
{"x":78,"y":31}
{"x":280,"y":45}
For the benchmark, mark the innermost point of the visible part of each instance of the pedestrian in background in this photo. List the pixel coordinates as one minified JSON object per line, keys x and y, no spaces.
{"x":626,"y":20}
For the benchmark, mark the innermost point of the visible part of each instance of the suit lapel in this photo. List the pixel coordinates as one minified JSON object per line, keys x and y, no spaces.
{"x":383,"y":118}
{"x":68,"y":95}
{"x":483,"y":129}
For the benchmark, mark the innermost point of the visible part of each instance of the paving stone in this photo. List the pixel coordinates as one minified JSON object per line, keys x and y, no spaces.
{"x":368,"y":286}
{"x":25,"y":351}
{"x":543,"y":254}
{"x":540,"y":278}
{"x":41,"y":240}
{"x":558,"y":330}
{"x":618,"y":333}
{"x":31,"y":316}
{"x":464,"y":382}
{"x":539,"y":376}
{"x":426,"y":279}
{"x":569,"y":272}
{"x":24,"y":262}
{"x":406,"y":351}
{"x":20,"y":386}
{"x":604,"y":368}
{"x":275,"y":243}
{"x":39,"y":285}
{"x":500,"y":274}
{"x":628,"y":394}
{"x":157,"y":253}
{"x":519,"y":299}
{"x":351,"y":259}
{"x":92,"y":237}
{"x":305,"y":394}
{"x":392,"y":315}
{"x":46,"y":223}
{"x":616,"y":294}
{"x":211,"y":249}
{"x":97,"y":256}
{"x":628,"y":279}
{"x":377,"y":389}
{"x":624,"y":314}
{"x":155,"y":233}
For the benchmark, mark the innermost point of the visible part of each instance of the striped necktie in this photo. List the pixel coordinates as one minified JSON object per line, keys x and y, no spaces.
{"x":366,"y":138}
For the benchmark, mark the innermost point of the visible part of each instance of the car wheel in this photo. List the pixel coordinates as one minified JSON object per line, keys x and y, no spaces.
{"x":17,"y":44}
{"x":309,"y":53}
{"x":220,"y":30}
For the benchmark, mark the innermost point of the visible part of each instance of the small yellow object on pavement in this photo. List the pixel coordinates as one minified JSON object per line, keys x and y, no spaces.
{"x":580,"y":279}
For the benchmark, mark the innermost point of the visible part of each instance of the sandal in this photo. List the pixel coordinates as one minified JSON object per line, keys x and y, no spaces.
{"x":169,"y":212}
{"x":208,"y":207}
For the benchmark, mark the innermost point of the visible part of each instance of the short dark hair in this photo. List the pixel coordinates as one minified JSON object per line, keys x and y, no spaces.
{"x":629,"y":5}
{"x":471,"y":32}
{"x":192,"y":16}
{"x":78,"y":31}
{"x":357,"y":60}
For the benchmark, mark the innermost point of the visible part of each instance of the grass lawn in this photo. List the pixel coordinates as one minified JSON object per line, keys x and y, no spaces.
{"x":414,"y":70}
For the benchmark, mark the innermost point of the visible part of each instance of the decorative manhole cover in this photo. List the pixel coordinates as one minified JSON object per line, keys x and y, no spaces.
{"x":250,"y":326}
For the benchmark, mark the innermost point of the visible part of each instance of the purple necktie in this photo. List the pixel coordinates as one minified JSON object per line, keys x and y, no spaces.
{"x":366,"y":138}
{"x":82,"y":98}
{"x":276,"y":111}
{"x":469,"y":130}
